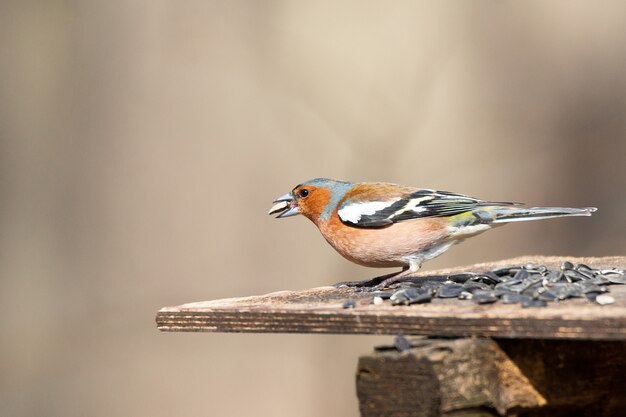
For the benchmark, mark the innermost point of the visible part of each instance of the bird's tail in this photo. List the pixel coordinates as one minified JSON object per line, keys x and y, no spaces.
{"x":504,"y":214}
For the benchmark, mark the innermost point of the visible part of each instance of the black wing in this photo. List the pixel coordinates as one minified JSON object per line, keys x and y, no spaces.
{"x":419,"y":204}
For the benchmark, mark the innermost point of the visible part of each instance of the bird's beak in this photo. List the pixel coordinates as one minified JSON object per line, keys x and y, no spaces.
{"x":285,"y":206}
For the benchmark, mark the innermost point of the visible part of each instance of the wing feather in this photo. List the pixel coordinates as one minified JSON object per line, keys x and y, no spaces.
{"x":413,"y":205}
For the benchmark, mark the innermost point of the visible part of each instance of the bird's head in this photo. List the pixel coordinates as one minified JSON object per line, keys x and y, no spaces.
{"x":315,"y":199}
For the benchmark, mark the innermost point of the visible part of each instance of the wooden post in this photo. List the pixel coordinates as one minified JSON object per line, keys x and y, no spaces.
{"x":484,"y":377}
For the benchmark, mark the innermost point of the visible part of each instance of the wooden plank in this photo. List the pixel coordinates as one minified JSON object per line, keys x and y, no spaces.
{"x":440,"y":377}
{"x":319,"y":310}
{"x":486,"y":377}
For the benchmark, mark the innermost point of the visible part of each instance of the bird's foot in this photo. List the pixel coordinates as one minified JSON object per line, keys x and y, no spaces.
{"x":372,"y":283}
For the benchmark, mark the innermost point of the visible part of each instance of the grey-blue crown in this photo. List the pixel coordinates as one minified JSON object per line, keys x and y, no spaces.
{"x":338,"y":190}
{"x":327,"y":183}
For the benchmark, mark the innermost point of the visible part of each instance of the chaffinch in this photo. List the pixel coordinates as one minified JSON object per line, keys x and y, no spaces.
{"x":388,"y":225}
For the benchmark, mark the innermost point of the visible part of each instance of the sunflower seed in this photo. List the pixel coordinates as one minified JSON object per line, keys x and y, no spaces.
{"x":506,"y":271}
{"x":555,"y":276}
{"x":547,"y":295}
{"x":349,"y":304}
{"x":514,"y":298}
{"x":600,"y":280}
{"x":561,"y":290}
{"x":531,"y":285}
{"x":484,"y":297}
{"x":461,"y":278}
{"x":399,"y":298}
{"x":533,"y":303}
{"x":465,"y":295}
{"x":487,"y":278}
{"x":421,"y":297}
{"x":473,"y":286}
{"x":402,"y":343}
{"x":450,"y":291}
{"x":615,"y":279}
{"x":522,"y":274}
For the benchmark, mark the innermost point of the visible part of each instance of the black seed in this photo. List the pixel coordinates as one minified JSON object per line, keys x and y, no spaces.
{"x":465,"y":295}
{"x":612,"y":271}
{"x":421,"y":297}
{"x":506,"y":271}
{"x":522,"y":274}
{"x":487,"y":278}
{"x":560,"y":290}
{"x":575,"y":291}
{"x":587,"y":273}
{"x":600,"y":280}
{"x":495,"y":278}
{"x":547,"y":296}
{"x":410,"y":293}
{"x":399,"y":298}
{"x":531,"y":285}
{"x":533,"y":292}
{"x":484,"y":297}
{"x":473,"y":286}
{"x":450,"y":291}
{"x":461,"y":278}
{"x":588,"y":286}
{"x":554,"y":276}
{"x":397,"y":294}
{"x":513,"y":298}
{"x":574,"y":275}
{"x":615,"y":279}
{"x":402,"y":343}
{"x":533,"y":303}
{"x":511,"y":286}
{"x":349,"y":304}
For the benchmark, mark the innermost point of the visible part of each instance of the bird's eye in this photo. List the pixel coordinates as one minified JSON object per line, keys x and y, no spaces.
{"x":303,"y":192}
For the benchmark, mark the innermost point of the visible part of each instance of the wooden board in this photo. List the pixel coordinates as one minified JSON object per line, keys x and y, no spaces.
{"x":319,"y":310}
{"x":493,"y":377}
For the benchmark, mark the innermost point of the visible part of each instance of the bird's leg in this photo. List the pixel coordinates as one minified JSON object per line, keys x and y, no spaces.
{"x":385,"y":280}
{"x":414,"y":266}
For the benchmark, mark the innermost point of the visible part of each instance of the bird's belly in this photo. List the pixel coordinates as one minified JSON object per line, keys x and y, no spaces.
{"x":390,"y":246}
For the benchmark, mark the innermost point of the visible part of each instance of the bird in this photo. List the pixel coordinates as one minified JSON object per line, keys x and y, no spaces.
{"x":379,"y":224}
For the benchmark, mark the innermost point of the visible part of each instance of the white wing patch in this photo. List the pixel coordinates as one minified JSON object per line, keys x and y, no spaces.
{"x":414,"y":205}
{"x":352,"y":212}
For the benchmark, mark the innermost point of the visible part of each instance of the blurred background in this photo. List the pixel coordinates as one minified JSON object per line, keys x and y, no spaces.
{"x":142,"y":143}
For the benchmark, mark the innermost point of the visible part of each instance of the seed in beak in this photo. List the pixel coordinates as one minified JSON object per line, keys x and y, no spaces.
{"x":278,"y":207}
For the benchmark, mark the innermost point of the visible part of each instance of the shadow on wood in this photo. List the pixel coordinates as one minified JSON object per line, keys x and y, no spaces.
{"x":483,"y":377}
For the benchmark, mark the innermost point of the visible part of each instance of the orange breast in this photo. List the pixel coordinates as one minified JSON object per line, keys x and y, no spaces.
{"x":383,"y":247}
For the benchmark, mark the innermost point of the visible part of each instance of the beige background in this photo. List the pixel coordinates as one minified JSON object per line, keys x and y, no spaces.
{"x":141,"y":144}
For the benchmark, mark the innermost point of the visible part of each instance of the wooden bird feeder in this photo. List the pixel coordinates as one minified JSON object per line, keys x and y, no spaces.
{"x":459,"y":358}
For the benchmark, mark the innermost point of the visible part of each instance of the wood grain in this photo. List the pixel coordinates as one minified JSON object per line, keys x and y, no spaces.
{"x":319,"y":310}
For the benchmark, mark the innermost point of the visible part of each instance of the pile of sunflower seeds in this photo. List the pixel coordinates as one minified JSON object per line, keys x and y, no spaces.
{"x":528,"y":285}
